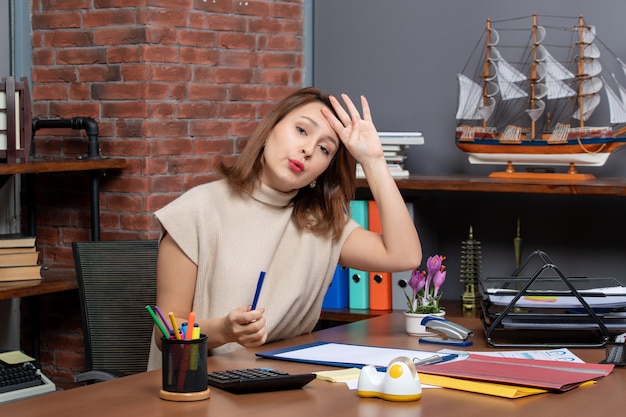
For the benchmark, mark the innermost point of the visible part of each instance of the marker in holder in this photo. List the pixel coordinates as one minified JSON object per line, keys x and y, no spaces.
{"x":184,"y":369}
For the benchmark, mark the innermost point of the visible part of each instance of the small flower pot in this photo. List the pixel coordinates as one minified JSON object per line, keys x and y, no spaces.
{"x":413,"y":323}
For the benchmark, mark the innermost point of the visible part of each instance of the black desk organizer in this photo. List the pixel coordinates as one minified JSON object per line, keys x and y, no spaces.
{"x":517,"y":326}
{"x":615,"y":353}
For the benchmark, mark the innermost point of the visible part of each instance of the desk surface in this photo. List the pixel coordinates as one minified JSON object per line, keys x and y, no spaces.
{"x":138,"y":395}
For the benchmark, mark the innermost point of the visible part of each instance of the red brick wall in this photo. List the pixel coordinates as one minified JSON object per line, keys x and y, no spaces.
{"x":176,"y":86}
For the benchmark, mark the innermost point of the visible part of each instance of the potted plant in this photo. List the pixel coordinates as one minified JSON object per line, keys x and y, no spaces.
{"x":425,"y":295}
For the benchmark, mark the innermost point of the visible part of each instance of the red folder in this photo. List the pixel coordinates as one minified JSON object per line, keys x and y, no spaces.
{"x":379,"y":282}
{"x":545,"y":374}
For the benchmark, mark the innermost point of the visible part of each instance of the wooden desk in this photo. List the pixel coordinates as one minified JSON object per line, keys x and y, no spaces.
{"x":138,"y":395}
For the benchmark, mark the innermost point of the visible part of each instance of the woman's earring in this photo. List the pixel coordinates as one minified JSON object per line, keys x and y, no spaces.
{"x":313,"y":184}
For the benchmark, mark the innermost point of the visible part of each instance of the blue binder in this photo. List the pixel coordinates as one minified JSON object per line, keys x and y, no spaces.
{"x":337,"y":294}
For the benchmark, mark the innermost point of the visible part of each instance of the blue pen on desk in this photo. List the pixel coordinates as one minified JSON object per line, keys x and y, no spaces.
{"x":259,"y":284}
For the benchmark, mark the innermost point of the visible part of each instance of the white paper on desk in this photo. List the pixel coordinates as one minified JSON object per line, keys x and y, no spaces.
{"x":356,"y":354}
{"x":354,"y":384}
{"x":562,"y":354}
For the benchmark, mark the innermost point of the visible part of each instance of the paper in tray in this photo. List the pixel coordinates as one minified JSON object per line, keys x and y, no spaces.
{"x":553,"y":293}
{"x":561,"y":322}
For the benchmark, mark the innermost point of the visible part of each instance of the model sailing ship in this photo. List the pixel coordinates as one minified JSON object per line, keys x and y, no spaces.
{"x":535,"y":112}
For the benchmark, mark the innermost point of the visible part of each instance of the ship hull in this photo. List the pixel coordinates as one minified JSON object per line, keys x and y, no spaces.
{"x":581,"y":152}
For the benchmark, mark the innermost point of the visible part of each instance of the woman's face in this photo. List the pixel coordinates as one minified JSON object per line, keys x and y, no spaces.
{"x":298,"y":149}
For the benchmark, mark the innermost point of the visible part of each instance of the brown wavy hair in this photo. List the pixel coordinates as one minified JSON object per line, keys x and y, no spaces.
{"x":322,"y":209}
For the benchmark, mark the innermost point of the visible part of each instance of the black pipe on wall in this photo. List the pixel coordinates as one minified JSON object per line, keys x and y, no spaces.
{"x":89,"y":125}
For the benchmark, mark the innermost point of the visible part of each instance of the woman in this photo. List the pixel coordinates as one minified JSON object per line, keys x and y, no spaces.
{"x":282,"y":208}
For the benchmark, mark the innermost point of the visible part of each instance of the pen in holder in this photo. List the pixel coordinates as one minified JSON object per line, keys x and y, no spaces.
{"x":184,"y":369}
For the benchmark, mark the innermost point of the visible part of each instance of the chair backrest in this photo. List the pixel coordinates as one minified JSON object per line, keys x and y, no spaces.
{"x":116,"y":280}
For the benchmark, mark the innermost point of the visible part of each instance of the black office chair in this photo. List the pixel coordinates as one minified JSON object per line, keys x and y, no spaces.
{"x":116,"y":280}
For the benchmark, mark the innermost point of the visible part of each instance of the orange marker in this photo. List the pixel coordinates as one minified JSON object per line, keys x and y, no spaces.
{"x":190,"y":323}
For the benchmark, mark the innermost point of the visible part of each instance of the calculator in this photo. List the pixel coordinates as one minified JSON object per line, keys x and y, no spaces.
{"x":242,"y":381}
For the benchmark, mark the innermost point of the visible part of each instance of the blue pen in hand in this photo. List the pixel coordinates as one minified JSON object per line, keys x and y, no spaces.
{"x":259,"y":285}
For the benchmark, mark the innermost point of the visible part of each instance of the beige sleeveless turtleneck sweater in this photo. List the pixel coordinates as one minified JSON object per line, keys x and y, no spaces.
{"x":232,"y":237}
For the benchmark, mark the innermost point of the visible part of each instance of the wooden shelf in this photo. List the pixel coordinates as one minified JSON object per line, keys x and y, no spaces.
{"x":43,"y":164}
{"x":53,"y":280}
{"x":602,"y":186}
{"x":348,"y":315}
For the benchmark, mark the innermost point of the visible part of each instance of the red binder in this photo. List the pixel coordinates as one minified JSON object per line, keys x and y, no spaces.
{"x":379,"y":282}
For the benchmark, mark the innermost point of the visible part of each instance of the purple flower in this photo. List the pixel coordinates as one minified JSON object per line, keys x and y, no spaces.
{"x":417,"y":280}
{"x":438,"y":279}
{"x":422,"y":298}
{"x":434,"y":264}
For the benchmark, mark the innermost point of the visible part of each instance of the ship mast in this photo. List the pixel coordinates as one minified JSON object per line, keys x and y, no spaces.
{"x":486,"y":70}
{"x":533,"y":76}
{"x":581,"y":70}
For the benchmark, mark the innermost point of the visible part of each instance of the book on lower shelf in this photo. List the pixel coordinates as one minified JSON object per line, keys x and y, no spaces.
{"x":19,"y":273}
{"x":19,"y":258}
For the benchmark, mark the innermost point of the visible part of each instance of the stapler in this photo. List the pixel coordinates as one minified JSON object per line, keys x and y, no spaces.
{"x":454,"y":333}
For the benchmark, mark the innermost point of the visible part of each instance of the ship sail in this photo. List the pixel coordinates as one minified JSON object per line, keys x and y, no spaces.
{"x":507,"y":76}
{"x":622,"y":90}
{"x":590,"y":85}
{"x":554,"y":75}
{"x":471,"y":101}
{"x":617,"y":110}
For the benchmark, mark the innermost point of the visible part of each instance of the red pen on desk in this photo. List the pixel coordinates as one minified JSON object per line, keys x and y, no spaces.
{"x":190,"y":322}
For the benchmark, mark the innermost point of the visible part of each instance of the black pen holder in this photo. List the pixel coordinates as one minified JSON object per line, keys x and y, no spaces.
{"x":615,"y":353}
{"x":184,"y":369}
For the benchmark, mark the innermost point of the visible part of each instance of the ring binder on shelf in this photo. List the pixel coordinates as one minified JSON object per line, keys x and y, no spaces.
{"x":518,"y":309}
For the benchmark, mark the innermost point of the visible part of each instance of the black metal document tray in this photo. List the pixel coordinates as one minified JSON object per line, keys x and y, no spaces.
{"x":549,"y":309}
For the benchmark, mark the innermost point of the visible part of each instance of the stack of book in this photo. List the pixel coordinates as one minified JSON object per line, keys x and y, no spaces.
{"x":18,"y":258}
{"x":395,"y":147}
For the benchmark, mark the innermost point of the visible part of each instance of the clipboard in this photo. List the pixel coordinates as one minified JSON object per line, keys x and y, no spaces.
{"x":346,"y":355}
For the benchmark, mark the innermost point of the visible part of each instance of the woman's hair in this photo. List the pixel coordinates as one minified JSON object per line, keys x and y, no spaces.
{"x":322,"y":209}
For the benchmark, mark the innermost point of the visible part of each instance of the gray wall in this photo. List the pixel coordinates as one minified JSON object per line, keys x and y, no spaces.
{"x":404,"y":56}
